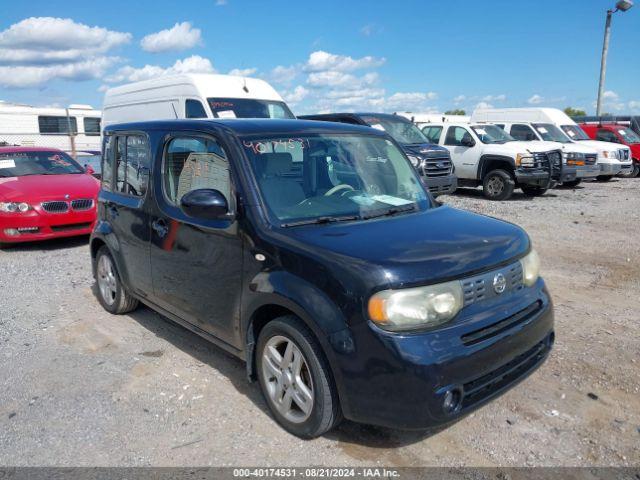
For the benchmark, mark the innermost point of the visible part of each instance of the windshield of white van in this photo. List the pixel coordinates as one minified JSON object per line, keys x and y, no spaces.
{"x":551,"y":133}
{"x":248,"y":108}
{"x":402,"y":131}
{"x":492,"y":134}
{"x":332,"y":178}
{"x":575,"y":132}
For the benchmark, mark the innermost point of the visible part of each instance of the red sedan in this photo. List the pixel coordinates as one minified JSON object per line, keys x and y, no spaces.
{"x":44,"y":194}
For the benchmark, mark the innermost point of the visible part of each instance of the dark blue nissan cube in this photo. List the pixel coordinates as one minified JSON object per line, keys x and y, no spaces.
{"x":312,"y":251}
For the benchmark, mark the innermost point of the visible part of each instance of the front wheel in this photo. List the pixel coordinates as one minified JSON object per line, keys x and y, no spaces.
{"x":533,"y":191}
{"x":498,"y":185}
{"x":635,"y":170}
{"x":603,"y":178}
{"x":295,"y":378}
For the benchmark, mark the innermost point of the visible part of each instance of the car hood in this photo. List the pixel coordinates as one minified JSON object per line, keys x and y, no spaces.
{"x":578,"y":147}
{"x":513,"y":148}
{"x":600,"y":146}
{"x":36,"y":188}
{"x":423,"y":149}
{"x":418,"y":248}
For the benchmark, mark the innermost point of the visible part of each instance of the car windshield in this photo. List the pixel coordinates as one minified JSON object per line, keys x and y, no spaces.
{"x":492,"y":134}
{"x":93,"y":161}
{"x":629,"y":135}
{"x":551,"y":133}
{"x":20,"y":164}
{"x":402,"y":131}
{"x":327,"y":178}
{"x":248,"y":108}
{"x":575,"y":132}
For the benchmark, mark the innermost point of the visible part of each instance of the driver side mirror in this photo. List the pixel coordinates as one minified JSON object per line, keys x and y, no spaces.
{"x":205,"y":203}
{"x":467,"y":141}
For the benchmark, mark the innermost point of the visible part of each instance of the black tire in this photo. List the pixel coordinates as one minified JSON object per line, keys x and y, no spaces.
{"x":325,"y":413}
{"x":635,"y":170}
{"x":572,"y":183}
{"x":604,"y":178}
{"x":121,"y":301}
{"x":533,"y":191}
{"x":498,"y":185}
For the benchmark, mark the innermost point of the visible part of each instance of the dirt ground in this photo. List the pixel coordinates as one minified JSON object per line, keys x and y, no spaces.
{"x":79,"y":387}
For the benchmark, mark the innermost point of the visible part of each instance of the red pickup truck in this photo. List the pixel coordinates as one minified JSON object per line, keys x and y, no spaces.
{"x":617,"y":133}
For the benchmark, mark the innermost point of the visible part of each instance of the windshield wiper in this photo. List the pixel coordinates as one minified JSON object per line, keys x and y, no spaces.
{"x":390,"y":211}
{"x":321,"y":220}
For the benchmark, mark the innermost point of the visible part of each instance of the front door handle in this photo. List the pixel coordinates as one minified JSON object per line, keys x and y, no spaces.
{"x":160,"y":227}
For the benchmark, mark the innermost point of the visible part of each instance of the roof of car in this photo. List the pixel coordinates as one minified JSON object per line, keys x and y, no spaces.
{"x":356,"y":114}
{"x":16,"y":149}
{"x":250,"y":126}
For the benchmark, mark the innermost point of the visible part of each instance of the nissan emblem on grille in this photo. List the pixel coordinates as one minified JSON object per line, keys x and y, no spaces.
{"x":499,"y":283}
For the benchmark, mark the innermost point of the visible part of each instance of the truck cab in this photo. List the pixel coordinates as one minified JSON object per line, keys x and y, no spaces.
{"x":486,"y":155}
{"x":432,"y":162}
{"x":616,"y":133}
{"x":579,"y":161}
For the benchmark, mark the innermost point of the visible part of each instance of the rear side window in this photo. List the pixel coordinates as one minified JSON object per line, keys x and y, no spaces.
{"x":132,"y":165}
{"x":194,"y":109}
{"x":433,"y":133}
{"x":91,"y":125}
{"x":523,"y":132}
{"x":107,"y":162}
{"x":57,"y":124}
{"x":192,"y":163}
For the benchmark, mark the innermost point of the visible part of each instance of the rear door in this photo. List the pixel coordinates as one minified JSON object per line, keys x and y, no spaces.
{"x":196,"y":263}
{"x":127,"y":155}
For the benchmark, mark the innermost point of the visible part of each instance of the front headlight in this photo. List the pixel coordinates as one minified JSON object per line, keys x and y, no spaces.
{"x":418,"y":307}
{"x":524,"y":160}
{"x":613,"y":154}
{"x":415,"y":161}
{"x":530,"y":268}
{"x":575,"y":158}
{"x":14,"y":207}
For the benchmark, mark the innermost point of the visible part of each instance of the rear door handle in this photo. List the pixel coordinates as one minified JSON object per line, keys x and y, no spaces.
{"x":160,"y":227}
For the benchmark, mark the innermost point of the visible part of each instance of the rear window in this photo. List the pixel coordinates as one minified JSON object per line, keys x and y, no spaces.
{"x":248,"y":108}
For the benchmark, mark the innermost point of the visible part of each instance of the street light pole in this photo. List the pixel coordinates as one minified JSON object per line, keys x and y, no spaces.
{"x":622,"y":5}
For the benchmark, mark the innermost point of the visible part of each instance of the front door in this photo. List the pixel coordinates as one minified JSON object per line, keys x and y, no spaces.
{"x":464,"y":157}
{"x":196,"y":263}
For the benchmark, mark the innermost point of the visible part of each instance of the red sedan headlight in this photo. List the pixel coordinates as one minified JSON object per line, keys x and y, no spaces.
{"x":14,"y":207}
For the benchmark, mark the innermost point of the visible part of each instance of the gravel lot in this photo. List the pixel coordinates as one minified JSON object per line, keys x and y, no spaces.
{"x":81,"y":387}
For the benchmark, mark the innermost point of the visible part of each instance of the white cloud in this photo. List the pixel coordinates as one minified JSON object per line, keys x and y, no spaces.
{"x":296,"y":95}
{"x":483,"y":105}
{"x":535,"y":99}
{"x":370,"y":29}
{"x":220,"y":3}
{"x":610,"y":95}
{"x":192,"y":64}
{"x":411,"y":101}
{"x":284,"y":75}
{"x":634,"y":105}
{"x":243,"y":72}
{"x":321,"y":61}
{"x":181,"y":36}
{"x":494,"y":98}
{"x":29,"y":76}
{"x":459,"y":99}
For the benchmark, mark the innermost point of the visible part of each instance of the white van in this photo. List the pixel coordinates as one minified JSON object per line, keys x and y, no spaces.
{"x":193,"y":96}
{"x":613,"y":158}
{"x":69,"y":129}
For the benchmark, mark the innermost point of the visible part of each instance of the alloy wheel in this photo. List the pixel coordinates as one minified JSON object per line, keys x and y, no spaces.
{"x":495,"y":186}
{"x":107,"y":282}
{"x":288,"y":379}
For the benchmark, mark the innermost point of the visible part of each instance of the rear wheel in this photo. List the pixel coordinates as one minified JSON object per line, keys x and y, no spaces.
{"x":572,"y":183}
{"x":533,"y":191}
{"x":604,"y":178}
{"x":498,"y":185}
{"x":295,"y":378}
{"x":111,"y":293}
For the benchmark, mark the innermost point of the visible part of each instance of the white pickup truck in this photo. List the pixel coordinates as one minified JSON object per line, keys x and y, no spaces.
{"x":486,"y":155}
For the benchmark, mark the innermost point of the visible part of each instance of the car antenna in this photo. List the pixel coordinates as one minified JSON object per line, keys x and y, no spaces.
{"x":244,"y":87}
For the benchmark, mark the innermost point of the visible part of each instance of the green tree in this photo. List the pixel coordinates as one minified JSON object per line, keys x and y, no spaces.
{"x":456,"y":111}
{"x":574,"y":112}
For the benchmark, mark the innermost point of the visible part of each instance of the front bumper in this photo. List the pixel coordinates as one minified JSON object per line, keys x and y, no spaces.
{"x":440,"y":185}
{"x":610,"y":168}
{"x":401,"y":380}
{"x":569,"y":173}
{"x":39,"y":225}
{"x":588,"y":171}
{"x":536,"y":177}
{"x":626,"y":169}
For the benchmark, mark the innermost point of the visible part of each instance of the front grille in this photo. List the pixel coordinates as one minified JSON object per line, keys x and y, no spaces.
{"x":437,"y":167}
{"x":540,"y":162}
{"x":623,"y":154}
{"x":485,"y":333}
{"x":82,"y":204}
{"x":70,"y":227}
{"x":481,"y":388}
{"x":555,"y":158}
{"x":480,"y":287}
{"x":55,"y":207}
{"x":590,"y":158}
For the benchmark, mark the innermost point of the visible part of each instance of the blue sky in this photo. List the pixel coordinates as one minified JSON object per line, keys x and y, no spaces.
{"x":331,"y":54}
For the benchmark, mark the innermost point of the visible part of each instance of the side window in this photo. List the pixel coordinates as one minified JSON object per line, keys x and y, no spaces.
{"x":58,"y":124}
{"x":455,"y":135}
{"x":500,"y":125}
{"x":194,"y":109}
{"x":433,"y":133}
{"x":606,"y":136}
{"x":132,"y":165}
{"x":191,"y":163}
{"x":522,"y":132}
{"x":91,"y":125}
{"x":107,"y":162}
